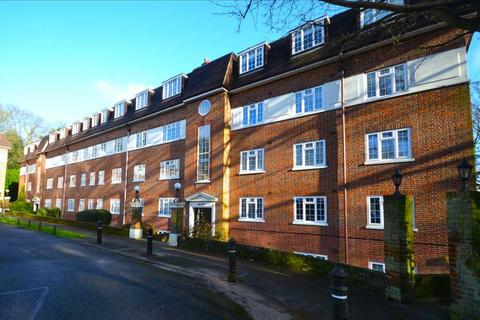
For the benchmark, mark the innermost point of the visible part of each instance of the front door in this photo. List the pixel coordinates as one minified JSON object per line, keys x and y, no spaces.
{"x":202,"y":215}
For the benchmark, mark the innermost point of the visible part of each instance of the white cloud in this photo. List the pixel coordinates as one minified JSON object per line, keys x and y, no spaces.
{"x":113,"y":93}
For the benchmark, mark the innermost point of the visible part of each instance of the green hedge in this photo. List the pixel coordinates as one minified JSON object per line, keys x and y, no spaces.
{"x":49,"y":212}
{"x":22,"y":206}
{"x":94,"y":215}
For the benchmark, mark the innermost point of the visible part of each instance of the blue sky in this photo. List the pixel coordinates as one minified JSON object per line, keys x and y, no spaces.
{"x":65,"y":60}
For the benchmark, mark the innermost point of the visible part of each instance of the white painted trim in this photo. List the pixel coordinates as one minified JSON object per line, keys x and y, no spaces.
{"x":191,"y":215}
{"x":313,"y":255}
{"x":369,"y":224}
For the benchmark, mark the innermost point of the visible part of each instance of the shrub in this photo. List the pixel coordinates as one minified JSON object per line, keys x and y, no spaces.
{"x":21,"y":206}
{"x":49,"y":212}
{"x":93,"y":215}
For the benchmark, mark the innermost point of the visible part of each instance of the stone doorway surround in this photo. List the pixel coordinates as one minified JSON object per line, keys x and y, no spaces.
{"x":200,"y":200}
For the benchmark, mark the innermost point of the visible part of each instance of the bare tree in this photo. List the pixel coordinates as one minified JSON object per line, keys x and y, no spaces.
{"x":278,"y":14}
{"x":475,"y":94}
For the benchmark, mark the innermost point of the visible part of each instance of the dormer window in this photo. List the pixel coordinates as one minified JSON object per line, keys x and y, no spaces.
{"x":251,"y":59}
{"x":76,"y":128}
{"x":86,"y":124}
{"x":95,"y":118}
{"x":103,"y":116}
{"x":172,"y":87}
{"x":63,"y":133}
{"x":369,"y":16}
{"x":52,"y":137}
{"x":119,"y":109}
{"x":308,"y":36}
{"x":142,"y":99}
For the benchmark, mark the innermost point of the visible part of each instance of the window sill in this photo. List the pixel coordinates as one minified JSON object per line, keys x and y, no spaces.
{"x":138,"y":181}
{"x":251,"y":220}
{"x":374,"y":162}
{"x":163,"y":216}
{"x":116,"y":183}
{"x":202,"y":181}
{"x":251,"y":172}
{"x":304,"y":223}
{"x":373,"y":227}
{"x":308,"y":168}
{"x":173,"y":178}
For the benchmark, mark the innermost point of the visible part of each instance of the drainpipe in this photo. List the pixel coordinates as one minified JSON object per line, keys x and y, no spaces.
{"x":344,"y":141}
{"x":26,"y":181}
{"x":65,"y":183}
{"x":126,"y":179}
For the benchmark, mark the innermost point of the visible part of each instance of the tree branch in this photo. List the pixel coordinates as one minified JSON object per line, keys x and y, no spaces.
{"x":422,"y":6}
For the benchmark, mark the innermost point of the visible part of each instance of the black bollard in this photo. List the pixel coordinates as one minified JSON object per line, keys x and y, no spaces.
{"x":39,"y":225}
{"x":99,"y":232}
{"x":232,"y":267}
{"x":54,"y":231}
{"x":29,"y":224}
{"x":339,"y":293}
{"x":149,"y":242}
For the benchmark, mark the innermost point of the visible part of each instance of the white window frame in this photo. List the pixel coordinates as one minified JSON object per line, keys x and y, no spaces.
{"x":95,"y":119}
{"x":247,"y":155}
{"x":52,"y":137}
{"x":172,"y":87}
{"x":48,"y":203}
{"x":303,"y":221}
{"x":371,"y":263}
{"x":141,"y":99}
{"x":58,"y":203}
{"x":377,"y":14}
{"x":391,"y":72}
{"x":313,"y":255}
{"x":119,"y":109}
{"x":139,"y":177}
{"x":115,"y":204}
{"x":73,"y":181}
{"x":101,"y":178}
{"x":301,"y":31}
{"x":60,"y":182}
{"x":76,"y":128}
{"x":141,"y":139}
{"x":306,"y":147}
{"x":370,"y":225}
{"x":81,"y":204}
{"x":83,"y":179}
{"x":116,"y":176}
{"x":207,"y":153}
{"x":119,"y":145}
{"x":253,"y":114}
{"x":91,"y":204}
{"x":165,"y":167}
{"x":86,"y":124}
{"x":71,"y":205}
{"x":49,"y":183}
{"x":162,"y":211}
{"x":246,"y":56}
{"x":92,"y":178}
{"x":99,"y":204}
{"x":314,"y":93}
{"x":104,"y":116}
{"x":396,"y":158}
{"x":254,"y":201}
{"x":63,"y":133}
{"x":29,"y":186}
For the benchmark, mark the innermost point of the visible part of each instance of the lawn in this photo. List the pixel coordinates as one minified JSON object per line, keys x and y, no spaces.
{"x":44,"y":228}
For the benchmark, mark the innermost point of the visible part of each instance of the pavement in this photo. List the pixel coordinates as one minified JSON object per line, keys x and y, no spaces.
{"x":263,"y":291}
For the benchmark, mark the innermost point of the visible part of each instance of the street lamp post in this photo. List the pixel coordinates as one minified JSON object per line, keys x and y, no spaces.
{"x":465,"y":172}
{"x":397,"y":180}
{"x":136,"y":231}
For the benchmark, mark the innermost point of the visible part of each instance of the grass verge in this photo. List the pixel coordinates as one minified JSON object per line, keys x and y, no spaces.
{"x":44,"y":228}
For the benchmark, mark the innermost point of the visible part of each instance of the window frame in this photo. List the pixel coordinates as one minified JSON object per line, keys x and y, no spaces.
{"x":247,"y":154}
{"x":313,"y":255}
{"x":83,"y":179}
{"x":370,"y":225}
{"x":115,"y":172}
{"x":81,"y":204}
{"x":379,"y":139}
{"x":378,"y":75}
{"x":247,"y":116}
{"x":142,"y":97}
{"x":168,"y":90}
{"x":323,"y":163}
{"x":136,"y":176}
{"x":92,"y":175}
{"x":60,"y":182}
{"x":141,"y":139}
{"x":303,"y":94}
{"x":302,"y":29}
{"x":169,"y":201}
{"x":119,"y":109}
{"x":58,"y":203}
{"x":73,"y":181}
{"x":246,"y":55}
{"x":316,"y":222}
{"x":71,"y":208}
{"x":119,"y":204}
{"x":49,"y":184}
{"x":49,"y":202}
{"x":247,"y":218}
{"x":100,"y":200}
{"x":207,"y":153}
{"x":371,"y":263}
{"x":102,"y":181}
{"x":163,"y":169}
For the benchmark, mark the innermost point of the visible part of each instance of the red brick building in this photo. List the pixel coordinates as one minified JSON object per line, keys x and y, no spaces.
{"x":287,"y":145}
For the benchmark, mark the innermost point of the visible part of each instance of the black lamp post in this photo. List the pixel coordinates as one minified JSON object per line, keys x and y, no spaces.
{"x":397,"y":180}
{"x":464,"y":171}
{"x":137,"y":193}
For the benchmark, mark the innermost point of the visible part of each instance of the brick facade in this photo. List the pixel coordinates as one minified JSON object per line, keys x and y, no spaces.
{"x":441,"y":134}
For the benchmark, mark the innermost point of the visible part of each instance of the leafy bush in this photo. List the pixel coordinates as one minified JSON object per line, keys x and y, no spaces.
{"x":50,"y":212}
{"x":93,"y":215}
{"x":21,"y":206}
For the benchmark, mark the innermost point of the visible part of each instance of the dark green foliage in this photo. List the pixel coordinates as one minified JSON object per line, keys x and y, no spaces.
{"x":93,"y":215}
{"x":49,"y":212}
{"x":13,"y":191}
{"x":21,"y":206}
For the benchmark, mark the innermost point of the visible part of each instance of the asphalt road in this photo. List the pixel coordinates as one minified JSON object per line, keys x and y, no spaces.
{"x":45,"y":277}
